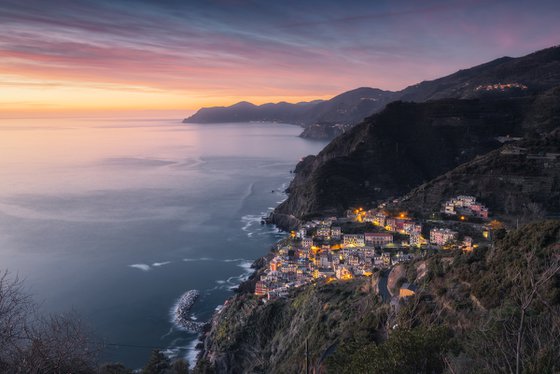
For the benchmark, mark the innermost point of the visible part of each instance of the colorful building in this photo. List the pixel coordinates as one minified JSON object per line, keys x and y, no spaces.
{"x":356,"y":240}
{"x":336,"y":232}
{"x":261,"y":288}
{"x":465,"y":206}
{"x":442,"y":236}
{"x":378,"y":239}
{"x":407,"y":290}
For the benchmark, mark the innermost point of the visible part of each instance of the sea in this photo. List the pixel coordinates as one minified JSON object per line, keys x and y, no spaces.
{"x":114,"y":219}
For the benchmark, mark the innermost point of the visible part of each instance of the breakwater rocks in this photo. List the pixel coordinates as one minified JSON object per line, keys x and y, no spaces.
{"x":180,"y":312}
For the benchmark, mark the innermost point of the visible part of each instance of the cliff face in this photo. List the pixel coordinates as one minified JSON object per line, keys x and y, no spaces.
{"x":324,"y":131}
{"x":248,"y":336}
{"x":400,"y":148}
{"x":349,"y":329}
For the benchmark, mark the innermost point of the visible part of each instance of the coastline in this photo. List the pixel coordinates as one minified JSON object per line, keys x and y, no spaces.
{"x":245,"y":287}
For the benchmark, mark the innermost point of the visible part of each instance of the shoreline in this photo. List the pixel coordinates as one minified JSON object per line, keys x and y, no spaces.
{"x":245,"y":287}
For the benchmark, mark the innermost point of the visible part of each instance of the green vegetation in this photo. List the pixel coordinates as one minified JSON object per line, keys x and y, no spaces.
{"x":271,"y":337}
{"x":417,"y":350}
{"x":160,"y":364}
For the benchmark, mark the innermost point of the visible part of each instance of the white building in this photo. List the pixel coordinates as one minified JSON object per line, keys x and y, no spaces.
{"x":356,"y":240}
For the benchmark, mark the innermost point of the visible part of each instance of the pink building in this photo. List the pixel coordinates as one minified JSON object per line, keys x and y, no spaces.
{"x":442,"y":236}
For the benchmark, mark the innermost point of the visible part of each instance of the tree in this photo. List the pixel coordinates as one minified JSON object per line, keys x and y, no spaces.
{"x":158,"y":363}
{"x":523,"y":334}
{"x":418,"y":350}
{"x":31,"y":343}
{"x":180,"y":366}
{"x":530,"y":289}
{"x":14,"y":306}
{"x":114,"y":368}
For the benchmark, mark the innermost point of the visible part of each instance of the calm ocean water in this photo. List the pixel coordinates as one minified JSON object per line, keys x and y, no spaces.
{"x":117,"y":218}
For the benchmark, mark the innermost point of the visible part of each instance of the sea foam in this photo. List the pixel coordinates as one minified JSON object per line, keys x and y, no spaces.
{"x":143,"y":267}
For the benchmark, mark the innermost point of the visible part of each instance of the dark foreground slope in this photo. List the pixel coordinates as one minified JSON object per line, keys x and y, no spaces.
{"x":464,"y":317}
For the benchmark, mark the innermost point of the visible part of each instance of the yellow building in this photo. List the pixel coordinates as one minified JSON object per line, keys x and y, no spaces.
{"x":407,"y":290}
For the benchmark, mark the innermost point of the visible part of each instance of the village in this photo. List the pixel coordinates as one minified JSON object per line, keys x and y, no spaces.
{"x":363,"y":241}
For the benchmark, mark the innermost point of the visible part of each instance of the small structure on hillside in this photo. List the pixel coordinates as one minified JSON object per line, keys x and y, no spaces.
{"x":407,"y":290}
{"x":464,"y":205}
{"x":440,"y":236}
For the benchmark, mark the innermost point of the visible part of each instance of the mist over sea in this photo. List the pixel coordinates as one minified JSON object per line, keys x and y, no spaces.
{"x":117,"y":218}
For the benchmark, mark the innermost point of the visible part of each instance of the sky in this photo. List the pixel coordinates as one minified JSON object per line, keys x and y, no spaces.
{"x":110,"y":55}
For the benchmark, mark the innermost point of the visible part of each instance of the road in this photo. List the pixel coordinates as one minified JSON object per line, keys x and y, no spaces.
{"x":382,"y":285}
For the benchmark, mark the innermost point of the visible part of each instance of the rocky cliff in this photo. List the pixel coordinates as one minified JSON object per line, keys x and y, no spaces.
{"x":324,"y":131}
{"x":248,"y":336}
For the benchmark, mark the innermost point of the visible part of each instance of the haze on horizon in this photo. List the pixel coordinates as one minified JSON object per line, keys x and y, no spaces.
{"x":78,"y":55}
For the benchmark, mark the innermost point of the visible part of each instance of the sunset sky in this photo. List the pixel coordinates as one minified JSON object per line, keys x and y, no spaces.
{"x":99,"y":55}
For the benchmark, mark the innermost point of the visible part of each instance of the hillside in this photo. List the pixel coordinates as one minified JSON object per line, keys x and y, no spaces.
{"x":520,"y":180}
{"x":503,"y":77}
{"x":459,"y":319}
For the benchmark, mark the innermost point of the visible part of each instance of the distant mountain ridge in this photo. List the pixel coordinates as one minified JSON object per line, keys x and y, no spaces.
{"x":349,"y":107}
{"x":500,"y":78}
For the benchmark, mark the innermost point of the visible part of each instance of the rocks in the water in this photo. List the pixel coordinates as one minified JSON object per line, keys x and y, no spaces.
{"x":181,"y":311}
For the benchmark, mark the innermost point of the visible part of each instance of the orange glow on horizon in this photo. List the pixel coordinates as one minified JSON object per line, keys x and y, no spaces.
{"x":24,"y":96}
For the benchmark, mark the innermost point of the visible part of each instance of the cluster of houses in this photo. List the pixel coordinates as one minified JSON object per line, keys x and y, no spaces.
{"x":321,"y":250}
{"x":500,"y":87}
{"x":465,"y":206}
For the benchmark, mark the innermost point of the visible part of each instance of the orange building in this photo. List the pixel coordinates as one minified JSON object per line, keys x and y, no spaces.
{"x":407,"y":290}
